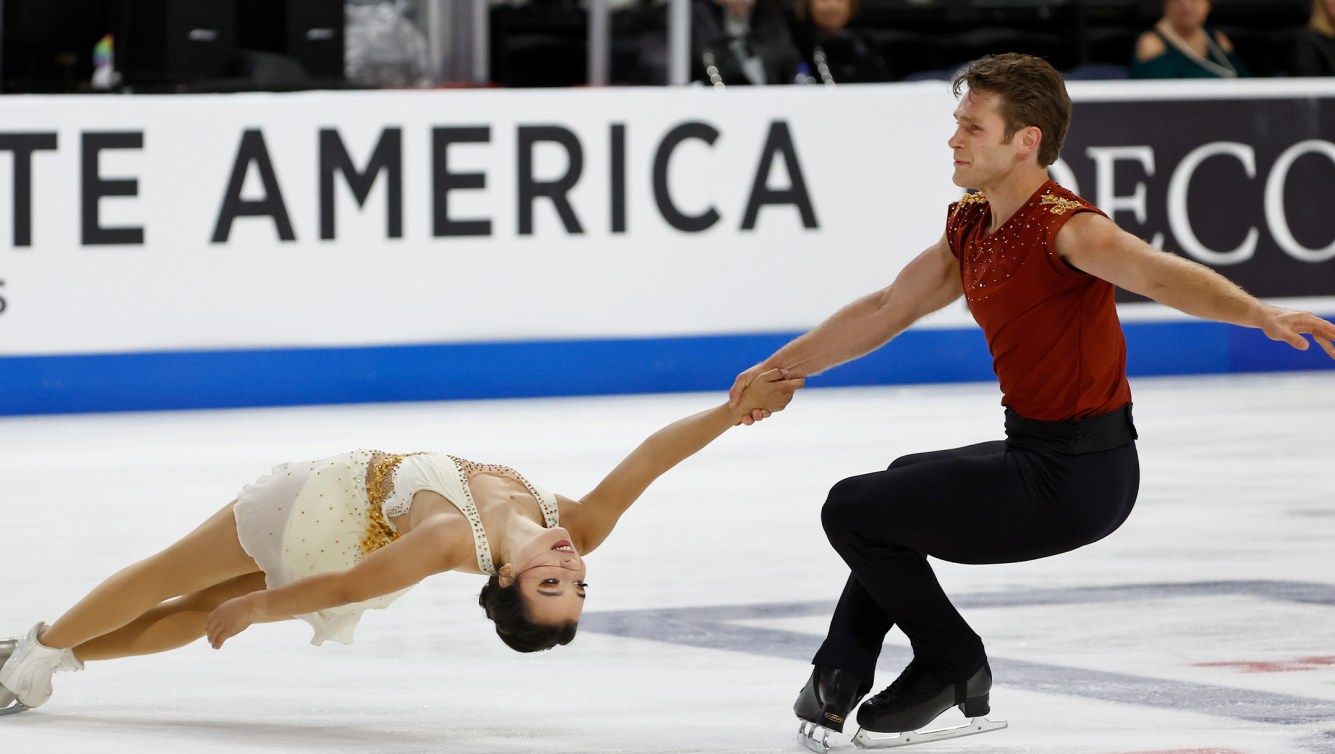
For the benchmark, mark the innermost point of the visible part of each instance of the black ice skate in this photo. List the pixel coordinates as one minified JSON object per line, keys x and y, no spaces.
{"x":823,"y":705}
{"x":895,"y":716}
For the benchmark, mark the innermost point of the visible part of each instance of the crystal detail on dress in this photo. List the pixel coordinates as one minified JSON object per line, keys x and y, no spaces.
{"x":467,"y":469}
{"x":381,"y":479}
{"x":550,"y":514}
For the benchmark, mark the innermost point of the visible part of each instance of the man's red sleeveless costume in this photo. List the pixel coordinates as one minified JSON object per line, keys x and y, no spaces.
{"x":1055,"y":339}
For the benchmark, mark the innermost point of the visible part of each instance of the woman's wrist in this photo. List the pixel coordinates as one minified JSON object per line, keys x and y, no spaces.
{"x":257,"y":604}
{"x":735,"y":413}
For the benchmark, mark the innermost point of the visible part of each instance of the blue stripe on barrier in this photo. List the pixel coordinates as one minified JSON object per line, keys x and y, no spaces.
{"x":297,"y":376}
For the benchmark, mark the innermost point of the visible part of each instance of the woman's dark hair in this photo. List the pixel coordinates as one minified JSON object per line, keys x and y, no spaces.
{"x":505,"y":607}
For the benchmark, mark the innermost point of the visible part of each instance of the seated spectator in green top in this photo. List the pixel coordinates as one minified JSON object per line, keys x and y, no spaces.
{"x":1181,"y":46}
{"x":1313,"y":51}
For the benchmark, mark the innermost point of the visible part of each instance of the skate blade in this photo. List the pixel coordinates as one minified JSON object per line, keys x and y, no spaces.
{"x":13,"y":709}
{"x":816,"y":738}
{"x":868,"y":739}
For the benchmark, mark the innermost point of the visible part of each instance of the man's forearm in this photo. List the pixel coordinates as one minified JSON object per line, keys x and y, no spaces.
{"x":855,"y":330}
{"x":1201,"y":292}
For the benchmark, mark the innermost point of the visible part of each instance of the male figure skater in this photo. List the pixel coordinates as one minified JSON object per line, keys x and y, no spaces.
{"x":1037,"y":266}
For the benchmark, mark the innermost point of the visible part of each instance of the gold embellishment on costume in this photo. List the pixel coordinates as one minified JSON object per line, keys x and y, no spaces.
{"x":975,"y":197}
{"x":379,"y":485}
{"x":1059,"y":205}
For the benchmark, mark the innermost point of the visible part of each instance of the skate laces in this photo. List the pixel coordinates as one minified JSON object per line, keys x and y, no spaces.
{"x":911,"y":680}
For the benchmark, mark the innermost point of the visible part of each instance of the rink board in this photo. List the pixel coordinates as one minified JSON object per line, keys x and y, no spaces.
{"x":227,"y":379}
{"x":261,"y":249}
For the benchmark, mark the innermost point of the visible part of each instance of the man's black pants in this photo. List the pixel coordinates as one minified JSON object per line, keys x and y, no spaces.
{"x":1050,"y":487}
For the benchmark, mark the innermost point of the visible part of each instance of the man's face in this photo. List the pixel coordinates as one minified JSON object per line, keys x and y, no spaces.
{"x":982,"y":153}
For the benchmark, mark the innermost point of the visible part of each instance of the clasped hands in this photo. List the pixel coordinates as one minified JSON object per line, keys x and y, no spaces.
{"x":759,"y":392}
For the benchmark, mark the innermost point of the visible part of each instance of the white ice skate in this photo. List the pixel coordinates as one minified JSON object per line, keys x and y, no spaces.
{"x":869,"y":739}
{"x":25,"y":677}
{"x":9,"y":704}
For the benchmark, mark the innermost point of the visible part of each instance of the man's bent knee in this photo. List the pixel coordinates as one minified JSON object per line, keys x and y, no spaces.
{"x":840,"y":513}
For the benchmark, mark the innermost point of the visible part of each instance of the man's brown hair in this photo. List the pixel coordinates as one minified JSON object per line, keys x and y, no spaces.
{"x":1032,"y":94}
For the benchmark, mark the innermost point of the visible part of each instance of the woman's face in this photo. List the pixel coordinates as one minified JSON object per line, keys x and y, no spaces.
{"x":1186,"y":15}
{"x":550,"y":576}
{"x":832,"y":15}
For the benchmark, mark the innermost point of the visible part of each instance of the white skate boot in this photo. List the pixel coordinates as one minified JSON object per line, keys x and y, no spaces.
{"x":25,"y":677}
{"x":8,"y":702}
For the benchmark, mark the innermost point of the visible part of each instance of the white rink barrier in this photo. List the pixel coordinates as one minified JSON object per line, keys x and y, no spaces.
{"x":257,"y":249}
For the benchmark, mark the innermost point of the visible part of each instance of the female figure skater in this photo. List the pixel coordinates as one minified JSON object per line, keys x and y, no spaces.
{"x":325,"y":540}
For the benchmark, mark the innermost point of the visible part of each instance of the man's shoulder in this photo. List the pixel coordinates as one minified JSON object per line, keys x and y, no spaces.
{"x":966,"y":212}
{"x":1059,"y":201}
{"x":971,"y":202}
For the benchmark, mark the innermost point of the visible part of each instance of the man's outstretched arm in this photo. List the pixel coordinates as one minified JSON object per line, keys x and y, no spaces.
{"x":926,"y":284}
{"x":1095,"y":244}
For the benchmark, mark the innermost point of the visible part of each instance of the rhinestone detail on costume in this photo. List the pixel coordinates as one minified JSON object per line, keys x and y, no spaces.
{"x":468,"y":469}
{"x":990,"y":260}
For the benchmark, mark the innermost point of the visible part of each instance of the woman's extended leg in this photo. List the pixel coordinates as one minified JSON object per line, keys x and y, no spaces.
{"x":206,"y":557}
{"x":172,"y":624}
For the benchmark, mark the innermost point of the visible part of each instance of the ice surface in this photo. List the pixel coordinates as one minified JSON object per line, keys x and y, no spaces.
{"x":1206,"y":624}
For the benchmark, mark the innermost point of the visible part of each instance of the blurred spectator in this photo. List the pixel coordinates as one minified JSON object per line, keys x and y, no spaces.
{"x":1181,"y":46}
{"x":1313,"y":52}
{"x":383,"y":48}
{"x":639,"y":42}
{"x":742,"y":42}
{"x":47,"y":45}
{"x":832,"y":52}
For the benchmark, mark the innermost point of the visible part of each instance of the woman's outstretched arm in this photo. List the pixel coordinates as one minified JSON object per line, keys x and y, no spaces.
{"x":600,"y":509}
{"x":428,"y":549}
